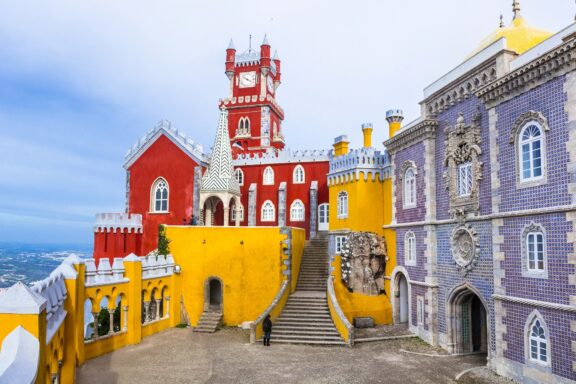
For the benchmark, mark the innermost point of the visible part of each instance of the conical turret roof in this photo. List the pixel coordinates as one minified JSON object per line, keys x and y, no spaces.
{"x":219,"y":177}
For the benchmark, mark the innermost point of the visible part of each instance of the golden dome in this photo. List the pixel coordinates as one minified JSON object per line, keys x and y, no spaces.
{"x":520,"y":36}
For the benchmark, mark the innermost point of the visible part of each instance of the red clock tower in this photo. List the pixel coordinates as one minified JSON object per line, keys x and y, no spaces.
{"x":254,"y":117}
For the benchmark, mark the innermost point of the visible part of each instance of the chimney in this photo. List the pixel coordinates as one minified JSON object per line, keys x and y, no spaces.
{"x":367,"y":131}
{"x":341,"y":145}
{"x":394,"y":118}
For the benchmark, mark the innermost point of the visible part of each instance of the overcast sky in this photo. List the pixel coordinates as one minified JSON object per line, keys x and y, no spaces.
{"x":82,"y":81}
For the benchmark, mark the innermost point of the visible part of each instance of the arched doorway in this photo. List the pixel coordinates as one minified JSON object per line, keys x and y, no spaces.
{"x":467,"y":321}
{"x":403,"y":298}
{"x":213,"y":294}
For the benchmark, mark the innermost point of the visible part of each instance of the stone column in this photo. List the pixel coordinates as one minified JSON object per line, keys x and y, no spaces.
{"x":196,"y":194}
{"x":125,"y":323}
{"x":146,"y":312}
{"x":158,"y":303}
{"x":167,"y":309}
{"x":282,"y":204}
{"x":95,"y":331}
{"x":237,"y":216}
{"x":313,"y":207}
{"x":226,"y":216}
{"x":201,"y":217}
{"x":252,"y":205}
{"x":208,"y":222}
{"x":111,"y":317}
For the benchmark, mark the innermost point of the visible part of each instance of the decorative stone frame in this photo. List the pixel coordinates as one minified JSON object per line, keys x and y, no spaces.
{"x":407,"y":165}
{"x":294,"y":178}
{"x":462,"y":145}
{"x":342,"y":213}
{"x":303,"y":211}
{"x":395,"y":294}
{"x":268,"y":170}
{"x":465,"y":263}
{"x":412,"y":262}
{"x":529,"y":118}
{"x":238,"y":171}
{"x":153,"y":196}
{"x":273,"y":212}
{"x":531,"y":228}
{"x":244,"y":127}
{"x":539,"y":365}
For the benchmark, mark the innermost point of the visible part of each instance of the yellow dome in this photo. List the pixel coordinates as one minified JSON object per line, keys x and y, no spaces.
{"x":520,"y":36}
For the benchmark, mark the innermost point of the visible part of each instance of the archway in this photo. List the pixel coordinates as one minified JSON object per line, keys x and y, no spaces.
{"x":467,"y":321}
{"x":213,"y":294}
{"x":402,"y":298}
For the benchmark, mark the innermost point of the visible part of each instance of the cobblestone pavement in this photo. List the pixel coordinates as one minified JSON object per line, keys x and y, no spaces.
{"x":181,"y":356}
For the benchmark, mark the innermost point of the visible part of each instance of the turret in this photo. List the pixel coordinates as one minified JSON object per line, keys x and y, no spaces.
{"x":340,"y":145}
{"x":367,"y":132}
{"x":278,"y":80}
{"x":230,"y":60}
{"x":265,"y":56}
{"x":394,"y":118}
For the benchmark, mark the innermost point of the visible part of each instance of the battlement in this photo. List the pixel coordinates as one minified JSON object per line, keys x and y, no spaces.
{"x":252,"y":57}
{"x":283,"y":156}
{"x":118,"y":222}
{"x":367,"y":160}
{"x":152,"y":266}
{"x":177,"y":136}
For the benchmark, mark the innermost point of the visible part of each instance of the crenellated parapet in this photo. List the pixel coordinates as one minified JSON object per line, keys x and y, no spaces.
{"x":366,"y":161}
{"x":231,"y":102}
{"x":118,"y":222}
{"x":282,"y":157}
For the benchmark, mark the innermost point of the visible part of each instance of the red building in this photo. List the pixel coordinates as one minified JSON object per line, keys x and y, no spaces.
{"x":278,"y":187}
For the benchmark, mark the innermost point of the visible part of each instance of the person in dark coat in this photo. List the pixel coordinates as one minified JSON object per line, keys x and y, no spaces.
{"x":267,"y":328}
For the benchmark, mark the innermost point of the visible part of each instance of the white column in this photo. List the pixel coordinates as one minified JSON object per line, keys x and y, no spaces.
{"x":158,"y":303}
{"x":125,"y":324}
{"x":237,"y":217}
{"x":146,"y":311}
{"x":111,"y":313}
{"x":167,"y":309}
{"x":226,"y":216}
{"x":95,"y":330}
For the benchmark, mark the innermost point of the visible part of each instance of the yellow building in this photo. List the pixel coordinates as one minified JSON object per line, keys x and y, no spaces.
{"x":360,"y":192}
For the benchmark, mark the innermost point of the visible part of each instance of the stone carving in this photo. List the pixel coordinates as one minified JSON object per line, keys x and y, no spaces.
{"x":523,"y":120}
{"x":363,"y":260}
{"x":465,"y":248}
{"x":462,"y":145}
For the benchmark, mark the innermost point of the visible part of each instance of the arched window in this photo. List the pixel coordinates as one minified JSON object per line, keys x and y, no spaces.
{"x":534,"y":251}
{"x":298,"y":175}
{"x":409,"y":188}
{"x":531,"y":147}
{"x":297,"y":211}
{"x":342,"y":205}
{"x":410,"y":248}
{"x":268,"y":211}
{"x":243,"y":127}
{"x":239,"y":176}
{"x":538,"y":342}
{"x":268,"y":176}
{"x":159,"y":198}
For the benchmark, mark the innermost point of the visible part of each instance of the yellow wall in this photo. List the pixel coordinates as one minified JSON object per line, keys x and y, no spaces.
{"x":248,"y":261}
{"x":297,"y":247}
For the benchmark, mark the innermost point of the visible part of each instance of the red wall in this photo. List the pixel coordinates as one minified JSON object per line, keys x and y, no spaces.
{"x":167,"y":160}
{"x":111,"y":244}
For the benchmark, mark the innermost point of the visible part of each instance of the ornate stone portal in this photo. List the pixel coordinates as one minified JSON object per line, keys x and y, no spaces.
{"x":363,"y":260}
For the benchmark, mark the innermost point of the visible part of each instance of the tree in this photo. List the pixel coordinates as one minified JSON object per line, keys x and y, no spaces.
{"x":163,"y":241}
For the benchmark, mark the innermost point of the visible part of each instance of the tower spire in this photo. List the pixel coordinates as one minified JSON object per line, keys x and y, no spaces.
{"x":516,"y":8}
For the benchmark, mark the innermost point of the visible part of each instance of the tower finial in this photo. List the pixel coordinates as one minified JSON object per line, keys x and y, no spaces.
{"x":516,"y":8}
{"x":250,"y":43}
{"x":501,"y":21}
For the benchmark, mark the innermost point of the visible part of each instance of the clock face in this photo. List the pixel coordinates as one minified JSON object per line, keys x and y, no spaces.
{"x":270,"y":85}
{"x":247,"y":79}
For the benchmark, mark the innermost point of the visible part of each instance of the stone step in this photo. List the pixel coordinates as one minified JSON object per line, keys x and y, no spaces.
{"x":316,"y":333}
{"x":305,"y":337}
{"x":303,"y":327}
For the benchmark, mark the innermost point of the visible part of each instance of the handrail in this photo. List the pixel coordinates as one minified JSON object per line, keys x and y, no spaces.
{"x":273,"y":304}
{"x":333,"y":303}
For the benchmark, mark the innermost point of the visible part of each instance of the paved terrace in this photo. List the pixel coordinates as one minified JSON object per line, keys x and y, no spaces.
{"x":181,"y":356}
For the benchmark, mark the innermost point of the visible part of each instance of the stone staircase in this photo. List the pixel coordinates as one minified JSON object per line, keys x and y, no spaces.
{"x":209,"y":322}
{"x":305,"y":318}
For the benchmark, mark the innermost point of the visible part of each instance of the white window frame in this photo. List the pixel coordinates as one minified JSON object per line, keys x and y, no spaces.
{"x":534,"y":233}
{"x":339,"y":242}
{"x":409,"y":188}
{"x":233,"y":214}
{"x":268,"y":212}
{"x":465,"y":179}
{"x":299,"y":175}
{"x":297,"y":211}
{"x":537,"y":346}
{"x":268,"y":176}
{"x":243,"y":126}
{"x":239,"y":174}
{"x":410,"y":248}
{"x":342,"y":205}
{"x":530,"y":142}
{"x":153,"y":200}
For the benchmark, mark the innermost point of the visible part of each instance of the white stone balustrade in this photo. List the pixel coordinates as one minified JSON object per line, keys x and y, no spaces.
{"x":156,"y":266}
{"x":105,"y":274}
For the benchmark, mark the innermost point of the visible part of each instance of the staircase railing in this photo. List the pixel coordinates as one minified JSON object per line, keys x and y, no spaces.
{"x":274,"y":310}
{"x":345,"y":329}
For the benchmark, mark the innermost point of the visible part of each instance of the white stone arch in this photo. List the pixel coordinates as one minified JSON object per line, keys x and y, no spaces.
{"x":268,"y":176}
{"x":268,"y":211}
{"x":297,"y":211}
{"x":395,"y":294}
{"x":298,"y":175}
{"x":530,"y":320}
{"x":239,"y":175}
{"x":155,"y":185}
